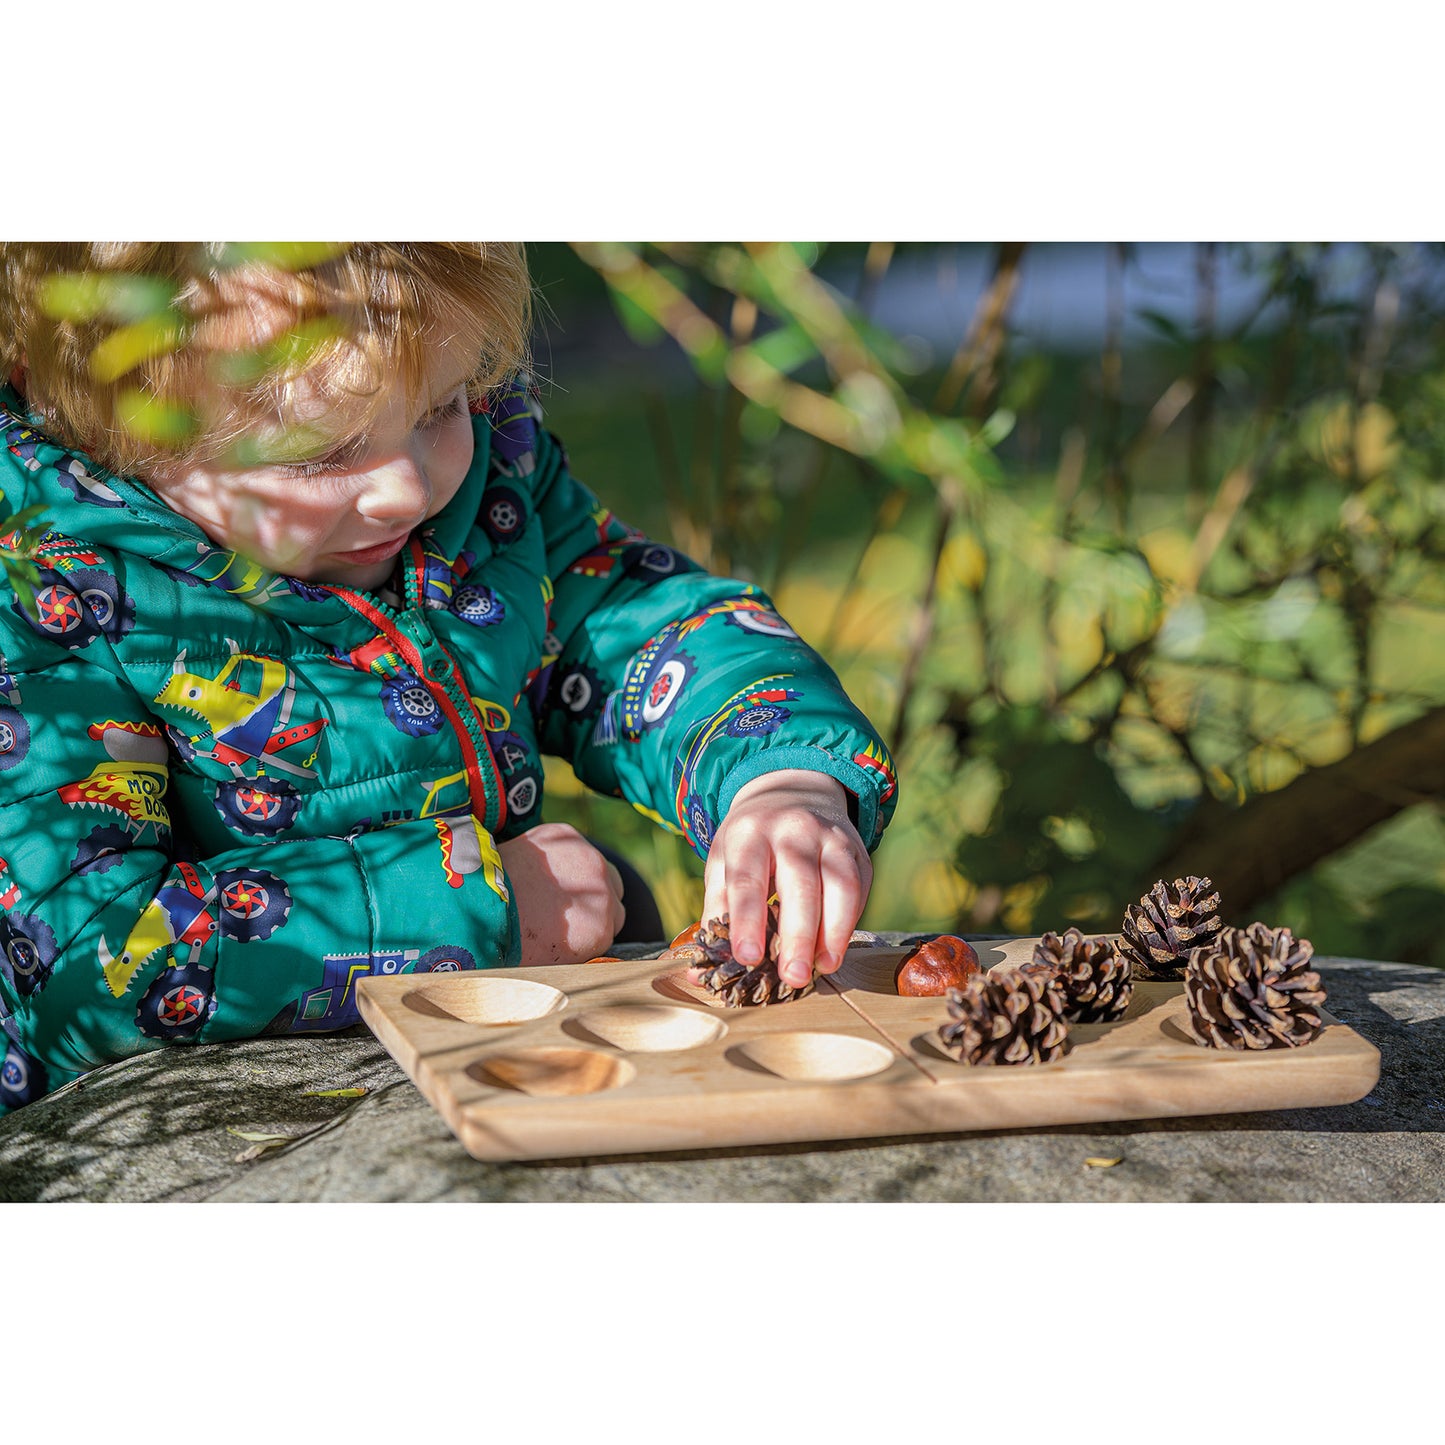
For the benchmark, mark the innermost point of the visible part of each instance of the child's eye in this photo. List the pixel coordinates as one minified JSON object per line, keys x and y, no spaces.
{"x":433,"y":419}
{"x":321,"y":467}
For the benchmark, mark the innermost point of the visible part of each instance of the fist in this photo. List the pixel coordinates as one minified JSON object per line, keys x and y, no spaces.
{"x":569,"y":897}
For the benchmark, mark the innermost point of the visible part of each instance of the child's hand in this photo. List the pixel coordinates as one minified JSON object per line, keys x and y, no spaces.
{"x":569,"y":897}
{"x":789,"y":832}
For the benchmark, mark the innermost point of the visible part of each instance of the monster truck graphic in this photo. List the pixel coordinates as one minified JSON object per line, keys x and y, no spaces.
{"x":75,"y":603}
{"x":631,"y":557}
{"x":129,"y":792}
{"x":246,"y":708}
{"x":756,"y":710}
{"x":332,"y":1003}
{"x":514,"y":415}
{"x":653,"y":682}
{"x":24,"y":444}
{"x":467,"y":847}
{"x":242,"y":904}
{"x":521,"y":773}
{"x":440,"y":575}
{"x":238,"y":575}
{"x":658,"y":674}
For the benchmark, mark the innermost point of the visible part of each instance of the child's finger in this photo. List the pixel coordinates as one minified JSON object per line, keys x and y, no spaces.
{"x":749,"y":886}
{"x":842,"y":903}
{"x":800,"y":909}
{"x":714,"y":887}
{"x":614,"y":879}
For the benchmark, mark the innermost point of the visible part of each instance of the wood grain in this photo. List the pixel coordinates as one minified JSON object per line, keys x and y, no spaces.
{"x":628,"y":1057}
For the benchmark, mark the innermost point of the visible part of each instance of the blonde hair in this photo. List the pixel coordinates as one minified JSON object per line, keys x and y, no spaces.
{"x":149,"y":354}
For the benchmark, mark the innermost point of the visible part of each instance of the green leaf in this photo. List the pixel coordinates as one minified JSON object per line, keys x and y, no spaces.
{"x":18,"y":521}
{"x":997,"y":427}
{"x":1169,"y":329}
{"x":785,"y":348}
{"x":286,"y":255}
{"x":636,"y":322}
{"x":84,"y":295}
{"x":127,"y":346}
{"x":153,"y":419}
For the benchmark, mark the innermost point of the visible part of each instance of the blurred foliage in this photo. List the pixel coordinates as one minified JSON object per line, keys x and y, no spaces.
{"x":21,"y":534}
{"x":1099,"y":605}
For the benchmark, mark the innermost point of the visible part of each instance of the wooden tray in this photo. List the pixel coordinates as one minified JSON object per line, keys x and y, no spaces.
{"x":628,"y":1057}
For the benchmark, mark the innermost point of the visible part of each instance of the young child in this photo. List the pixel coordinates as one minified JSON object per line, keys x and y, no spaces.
{"x":316,"y":591}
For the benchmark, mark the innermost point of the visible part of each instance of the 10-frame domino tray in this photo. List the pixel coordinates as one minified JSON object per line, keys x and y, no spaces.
{"x":628,"y":1057}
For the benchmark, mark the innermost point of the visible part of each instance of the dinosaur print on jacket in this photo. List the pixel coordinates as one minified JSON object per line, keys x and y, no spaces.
{"x":244,"y":726}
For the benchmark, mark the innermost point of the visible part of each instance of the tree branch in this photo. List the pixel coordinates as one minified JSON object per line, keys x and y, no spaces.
{"x":1252,"y":850}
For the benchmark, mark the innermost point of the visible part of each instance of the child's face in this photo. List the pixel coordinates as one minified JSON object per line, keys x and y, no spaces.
{"x":344,"y":516}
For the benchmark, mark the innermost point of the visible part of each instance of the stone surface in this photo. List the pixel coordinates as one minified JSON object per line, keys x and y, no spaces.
{"x":161,"y":1127}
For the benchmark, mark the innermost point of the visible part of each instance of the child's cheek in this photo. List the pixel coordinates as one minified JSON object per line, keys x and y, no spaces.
{"x":282,"y":532}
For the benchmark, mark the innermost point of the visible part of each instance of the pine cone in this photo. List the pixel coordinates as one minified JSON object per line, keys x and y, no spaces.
{"x":1093,"y":976}
{"x":1008,"y":1017}
{"x":1166,"y":923}
{"x":1253,"y":988}
{"x":736,"y":985}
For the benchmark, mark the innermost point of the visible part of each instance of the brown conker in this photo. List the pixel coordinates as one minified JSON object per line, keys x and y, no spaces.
{"x":934,"y":967}
{"x":688,"y":935}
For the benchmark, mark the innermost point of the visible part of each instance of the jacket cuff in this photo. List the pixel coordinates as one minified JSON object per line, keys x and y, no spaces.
{"x":865,"y":784}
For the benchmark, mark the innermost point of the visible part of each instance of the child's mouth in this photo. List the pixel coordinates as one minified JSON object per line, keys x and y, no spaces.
{"x":379,"y":553}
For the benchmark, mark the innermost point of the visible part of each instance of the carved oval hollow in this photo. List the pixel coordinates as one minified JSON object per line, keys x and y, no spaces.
{"x":650,"y":1028}
{"x":935,"y":967}
{"x":553,"y":1073}
{"x":809,"y":1057}
{"x":489,"y":1002}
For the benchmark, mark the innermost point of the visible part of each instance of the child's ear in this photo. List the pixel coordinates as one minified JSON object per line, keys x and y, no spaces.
{"x":18,"y":376}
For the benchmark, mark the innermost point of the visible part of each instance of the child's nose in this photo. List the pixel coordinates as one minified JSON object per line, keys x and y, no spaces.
{"x":396,"y":490}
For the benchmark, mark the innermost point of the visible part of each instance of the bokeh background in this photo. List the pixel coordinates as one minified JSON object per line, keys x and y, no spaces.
{"x":1133,"y":552}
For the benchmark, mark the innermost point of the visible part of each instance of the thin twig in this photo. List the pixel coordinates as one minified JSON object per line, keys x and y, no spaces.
{"x":984,"y":336}
{"x":949,"y":500}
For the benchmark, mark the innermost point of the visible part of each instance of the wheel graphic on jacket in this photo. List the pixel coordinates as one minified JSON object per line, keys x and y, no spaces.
{"x":58,"y":610}
{"x":252,"y":903}
{"x":409,"y":707}
{"x":74,"y":608}
{"x":27,"y":952}
{"x":447,"y":959}
{"x":503,"y":513}
{"x":757,"y":721}
{"x":14,"y":737}
{"x":103,"y":847}
{"x":259,"y":806}
{"x":478,"y":605}
{"x":21,"y":1077}
{"x":177,"y":1003}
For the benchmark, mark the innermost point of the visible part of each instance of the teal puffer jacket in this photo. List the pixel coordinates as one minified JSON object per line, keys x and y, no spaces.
{"x":226,"y":795}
